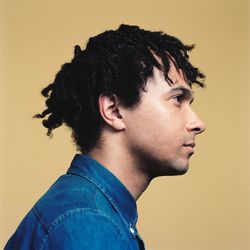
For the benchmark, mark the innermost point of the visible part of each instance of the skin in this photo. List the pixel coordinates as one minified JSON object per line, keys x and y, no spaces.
{"x":156,"y":138}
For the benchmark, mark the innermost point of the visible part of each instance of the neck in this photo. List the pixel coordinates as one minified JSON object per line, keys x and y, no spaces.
{"x":123,"y":167}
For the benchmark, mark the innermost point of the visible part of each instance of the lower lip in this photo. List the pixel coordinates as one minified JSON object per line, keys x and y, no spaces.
{"x":189,"y":148}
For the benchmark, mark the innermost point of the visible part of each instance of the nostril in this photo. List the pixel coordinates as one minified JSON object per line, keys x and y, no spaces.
{"x":199,"y":129}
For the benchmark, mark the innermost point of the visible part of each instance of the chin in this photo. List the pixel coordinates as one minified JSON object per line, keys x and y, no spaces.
{"x":171,"y":170}
{"x":180,"y":171}
{"x":179,"y":167}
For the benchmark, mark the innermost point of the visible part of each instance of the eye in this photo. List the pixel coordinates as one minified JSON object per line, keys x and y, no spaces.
{"x":177,"y":99}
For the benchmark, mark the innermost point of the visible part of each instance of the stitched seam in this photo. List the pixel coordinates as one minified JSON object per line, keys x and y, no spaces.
{"x":93,"y":181}
{"x":34,"y":210}
{"x":75,"y":212}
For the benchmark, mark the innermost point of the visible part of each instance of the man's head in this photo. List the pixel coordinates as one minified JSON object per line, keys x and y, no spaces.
{"x":122,"y":66}
{"x":161,"y":131}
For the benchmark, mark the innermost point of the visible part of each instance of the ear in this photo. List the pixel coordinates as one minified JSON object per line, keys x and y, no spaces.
{"x":109,"y":109}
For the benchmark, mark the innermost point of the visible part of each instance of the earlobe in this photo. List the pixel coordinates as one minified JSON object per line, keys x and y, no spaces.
{"x":110,"y":111}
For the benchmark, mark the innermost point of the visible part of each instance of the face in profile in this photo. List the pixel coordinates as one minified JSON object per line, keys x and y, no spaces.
{"x":161,"y":130}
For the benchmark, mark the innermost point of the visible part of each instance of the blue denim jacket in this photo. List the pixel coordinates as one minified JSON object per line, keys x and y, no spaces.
{"x":87,"y":208}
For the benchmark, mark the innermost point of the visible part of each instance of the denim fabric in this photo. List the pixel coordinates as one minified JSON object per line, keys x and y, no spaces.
{"x":87,"y":208}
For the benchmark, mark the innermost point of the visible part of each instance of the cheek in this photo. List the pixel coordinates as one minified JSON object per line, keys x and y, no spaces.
{"x":155,"y":125}
{"x":151,"y":128}
{"x":164,"y":129}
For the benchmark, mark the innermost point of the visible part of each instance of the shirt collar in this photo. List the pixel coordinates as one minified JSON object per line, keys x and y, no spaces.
{"x":112,"y":188}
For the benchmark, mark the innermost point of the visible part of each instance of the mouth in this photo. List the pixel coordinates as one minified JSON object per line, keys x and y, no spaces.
{"x":190,"y":147}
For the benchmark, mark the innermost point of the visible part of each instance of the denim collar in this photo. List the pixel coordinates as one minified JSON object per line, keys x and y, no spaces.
{"x":120,"y":198}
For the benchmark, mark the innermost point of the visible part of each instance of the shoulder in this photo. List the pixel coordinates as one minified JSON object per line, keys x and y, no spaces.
{"x":79,"y":228}
{"x":84,"y":228}
{"x":72,"y":210}
{"x":68,"y":196}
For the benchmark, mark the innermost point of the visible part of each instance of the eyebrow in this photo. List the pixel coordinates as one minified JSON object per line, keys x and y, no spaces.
{"x":186,"y":93}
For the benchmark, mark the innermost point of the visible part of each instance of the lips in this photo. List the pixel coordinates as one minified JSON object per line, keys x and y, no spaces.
{"x":190,"y":147}
{"x":191,"y":144}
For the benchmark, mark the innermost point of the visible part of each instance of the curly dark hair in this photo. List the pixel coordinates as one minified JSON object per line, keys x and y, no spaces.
{"x":115,"y":62}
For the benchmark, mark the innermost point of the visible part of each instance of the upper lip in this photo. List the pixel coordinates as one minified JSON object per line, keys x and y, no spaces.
{"x":190,"y":144}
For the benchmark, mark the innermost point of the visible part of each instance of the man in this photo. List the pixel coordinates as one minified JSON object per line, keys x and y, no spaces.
{"x":127,"y":98}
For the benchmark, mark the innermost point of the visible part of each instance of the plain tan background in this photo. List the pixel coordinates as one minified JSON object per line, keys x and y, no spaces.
{"x":206,"y":209}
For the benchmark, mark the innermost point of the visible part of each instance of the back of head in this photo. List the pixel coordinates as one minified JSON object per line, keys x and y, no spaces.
{"x":116,"y":62}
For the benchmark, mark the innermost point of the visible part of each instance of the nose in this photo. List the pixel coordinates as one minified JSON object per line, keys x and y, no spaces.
{"x":195,"y":124}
